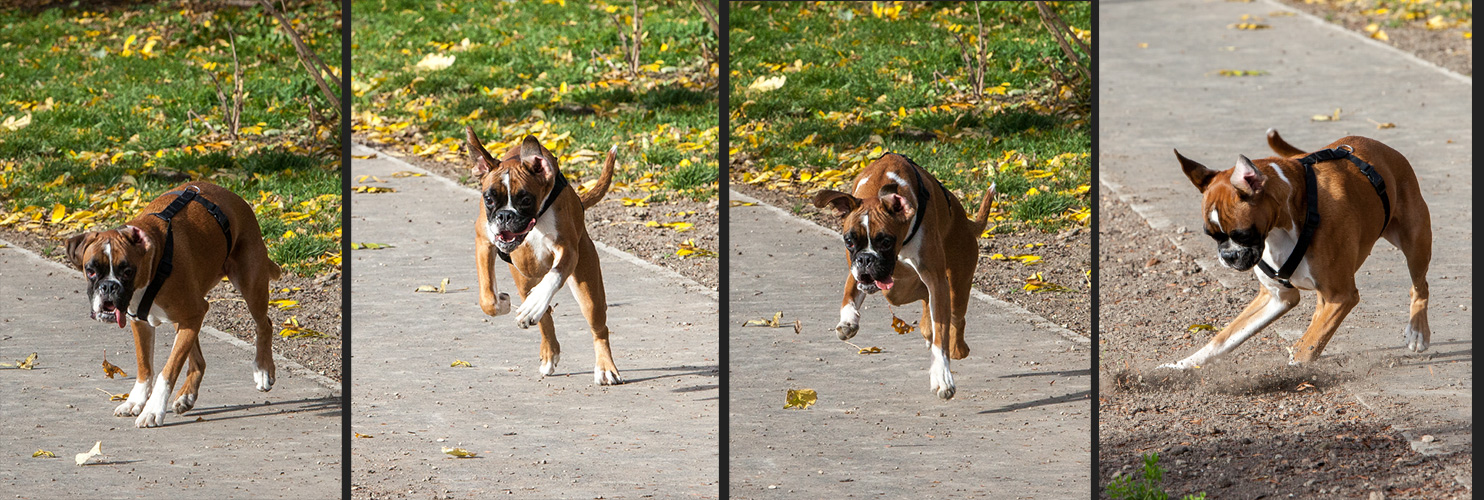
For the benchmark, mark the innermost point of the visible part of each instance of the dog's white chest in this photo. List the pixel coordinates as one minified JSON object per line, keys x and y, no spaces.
{"x":1277,"y":248}
{"x":542,"y":239}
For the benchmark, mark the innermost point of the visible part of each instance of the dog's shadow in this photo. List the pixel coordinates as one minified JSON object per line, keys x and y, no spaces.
{"x":685,"y":371}
{"x":330,"y":407}
{"x":1064,"y":398}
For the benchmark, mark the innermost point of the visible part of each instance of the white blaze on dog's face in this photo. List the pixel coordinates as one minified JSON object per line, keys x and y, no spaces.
{"x":116,"y":265}
{"x":513,"y":188}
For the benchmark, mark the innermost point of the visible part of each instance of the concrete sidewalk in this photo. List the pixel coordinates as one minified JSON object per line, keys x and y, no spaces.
{"x":1019,"y":426}
{"x":1168,"y":96}
{"x":284,"y":443}
{"x":553,"y":437}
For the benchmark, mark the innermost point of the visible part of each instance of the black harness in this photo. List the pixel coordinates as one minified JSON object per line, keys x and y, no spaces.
{"x":556,"y":190}
{"x":163,"y":268}
{"x":922,"y":197}
{"x":1311,"y":200}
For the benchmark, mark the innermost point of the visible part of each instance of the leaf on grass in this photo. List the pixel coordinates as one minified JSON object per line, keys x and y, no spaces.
{"x":1328,"y":118}
{"x":801,"y":398}
{"x":284,"y":304}
{"x":773,"y":323}
{"x":765,"y":84}
{"x":740,"y":203}
{"x":458,"y":452}
{"x":43,"y":454}
{"x":1200,"y":328}
{"x":435,"y":62}
{"x":459,"y":362}
{"x":83,"y":458}
{"x":13,"y":124}
{"x":364,"y":436}
{"x":1241,"y":72}
{"x":373,"y":189}
{"x":109,"y":369}
{"x":370,"y":246}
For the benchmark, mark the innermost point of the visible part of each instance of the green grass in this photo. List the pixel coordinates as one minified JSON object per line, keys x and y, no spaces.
{"x":508,"y":81}
{"x":856,"y":82}
{"x":105,"y":119}
{"x":1145,"y":486}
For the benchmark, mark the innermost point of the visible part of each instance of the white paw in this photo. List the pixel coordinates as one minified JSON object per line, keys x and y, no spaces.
{"x":262,"y":379}
{"x":606,"y":377}
{"x":153,"y":415}
{"x":940,"y":380}
{"x":1413,"y":340}
{"x":183,"y":404}
{"x":530,"y":313}
{"x":847,"y":330}
{"x":128,"y":408}
{"x":548,"y":367}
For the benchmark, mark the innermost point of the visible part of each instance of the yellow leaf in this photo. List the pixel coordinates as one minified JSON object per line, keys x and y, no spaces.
{"x":774,"y":323}
{"x":373,"y":189}
{"x":369,"y":246}
{"x":459,"y":362}
{"x":284,"y":304}
{"x":458,"y":452}
{"x":1200,"y":328}
{"x":109,"y":369}
{"x":58,"y":212}
{"x":435,"y":62}
{"x":1327,"y":118}
{"x":426,"y":288}
{"x":869,"y":350}
{"x":364,"y":436}
{"x":800,"y":398}
{"x":83,"y":458}
{"x":1240,"y":72}
{"x":290,"y":234}
{"x":1248,"y":26}
{"x":43,"y":454}
{"x":765,"y":84}
{"x":900,"y":325}
{"x":406,"y":173}
{"x":26,"y":364}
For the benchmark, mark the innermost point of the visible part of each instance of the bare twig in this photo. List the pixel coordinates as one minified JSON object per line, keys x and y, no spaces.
{"x":1061,"y":32}
{"x":311,"y":62}
{"x":630,"y":38}
{"x":708,"y":11}
{"x":975,"y":66}
{"x":231,"y":111}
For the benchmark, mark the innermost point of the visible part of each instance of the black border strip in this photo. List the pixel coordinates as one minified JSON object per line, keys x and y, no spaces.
{"x":346,"y":366}
{"x":723,"y":240}
{"x":1096,"y":252}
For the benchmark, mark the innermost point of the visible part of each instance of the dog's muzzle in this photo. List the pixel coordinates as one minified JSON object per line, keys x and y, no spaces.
{"x":873,"y":271}
{"x":112,"y":302}
{"x":511,"y":228}
{"x":1239,"y":257}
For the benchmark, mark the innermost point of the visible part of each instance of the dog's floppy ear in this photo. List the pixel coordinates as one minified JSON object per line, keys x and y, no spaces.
{"x":843,"y":203}
{"x":893,"y":202}
{"x":534,"y":158}
{"x":75,"y":246}
{"x":483,"y":162}
{"x":1198,"y":174}
{"x":136,"y":237}
{"x":1246,"y":178}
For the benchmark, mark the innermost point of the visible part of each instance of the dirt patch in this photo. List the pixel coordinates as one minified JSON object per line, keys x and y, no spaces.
{"x":318,"y":309}
{"x":1064,"y":258}
{"x":1248,"y":426}
{"x":621,"y":227}
{"x":1443,"y":47}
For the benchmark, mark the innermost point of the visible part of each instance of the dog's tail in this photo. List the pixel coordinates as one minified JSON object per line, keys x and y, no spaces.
{"x":605,"y":179}
{"x":1281,"y":146}
{"x":981,"y":218}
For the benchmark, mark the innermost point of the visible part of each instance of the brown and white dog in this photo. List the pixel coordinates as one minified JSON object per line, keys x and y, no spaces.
{"x":531,"y":218}
{"x":900,"y":212}
{"x":121,"y":264}
{"x":1256,"y":211}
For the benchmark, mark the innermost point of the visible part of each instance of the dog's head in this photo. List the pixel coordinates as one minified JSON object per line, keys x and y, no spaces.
{"x":873,"y":229}
{"x":1237,"y":209}
{"x":513,"y":188}
{"x":117,"y":263}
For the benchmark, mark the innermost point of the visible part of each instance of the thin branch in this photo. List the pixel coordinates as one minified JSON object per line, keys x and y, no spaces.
{"x":708,"y":11}
{"x":311,"y":62}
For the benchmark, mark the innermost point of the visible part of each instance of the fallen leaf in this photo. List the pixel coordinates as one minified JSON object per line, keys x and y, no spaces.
{"x":800,"y":398}
{"x":1241,"y":72}
{"x":1382,"y":125}
{"x":459,"y":362}
{"x":1248,"y":26}
{"x":373,"y":189}
{"x":1328,"y":118}
{"x":43,"y":454}
{"x":13,"y":124}
{"x":364,"y":436}
{"x":370,"y":246}
{"x":1037,"y":283}
{"x":1303,"y":386}
{"x":773,"y":323}
{"x":1200,"y":328}
{"x":364,"y":157}
{"x":689,"y":249}
{"x":292,"y":329}
{"x":26,"y":364}
{"x":458,"y":452}
{"x":406,"y":173}
{"x":435,"y":62}
{"x":900,"y":325}
{"x":284,"y":304}
{"x":109,"y":369}
{"x":740,"y":203}
{"x":870,"y":350}
{"x":765,"y":84}
{"x":82,"y":458}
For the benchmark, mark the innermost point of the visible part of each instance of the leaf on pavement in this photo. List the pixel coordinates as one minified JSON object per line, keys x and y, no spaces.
{"x":364,"y":436}
{"x":1328,"y":118}
{"x":740,"y":203}
{"x":43,"y":454}
{"x":370,"y":246}
{"x":801,"y":398}
{"x":26,"y":364}
{"x":373,"y":189}
{"x":109,"y":369}
{"x":284,"y":304}
{"x":458,"y":452}
{"x":1200,"y":328}
{"x":407,"y":173}
{"x":772,"y":323}
{"x":83,"y":458}
{"x":459,"y":362}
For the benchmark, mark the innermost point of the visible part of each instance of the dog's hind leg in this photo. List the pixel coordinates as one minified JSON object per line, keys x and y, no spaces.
{"x":254,"y":286}
{"x":587,"y":288}
{"x":1415,"y":241}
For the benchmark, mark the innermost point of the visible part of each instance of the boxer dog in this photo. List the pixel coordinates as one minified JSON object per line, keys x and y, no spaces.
{"x":900,"y":212}
{"x":532,"y":219}
{"x":1263,"y":214}
{"x":158,"y":268}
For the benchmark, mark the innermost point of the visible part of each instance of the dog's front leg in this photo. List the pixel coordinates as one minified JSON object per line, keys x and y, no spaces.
{"x":491,"y":301}
{"x":940,"y":378}
{"x":186,"y":332}
{"x":1271,"y":303}
{"x":144,"y":355}
{"x":1333,"y":306}
{"x":539,"y":300}
{"x":850,"y":309}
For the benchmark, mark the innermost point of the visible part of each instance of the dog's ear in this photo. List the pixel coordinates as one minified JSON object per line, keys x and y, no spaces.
{"x":843,"y":203}
{"x":893,"y":202}
{"x":483,"y":162}
{"x":535,"y":158}
{"x":136,"y":237}
{"x":75,"y":246}
{"x":1198,"y":174}
{"x":1246,"y":178}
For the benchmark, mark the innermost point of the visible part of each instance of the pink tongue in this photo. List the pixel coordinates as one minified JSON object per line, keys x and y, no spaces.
{"x":118,"y":314}
{"x":884,"y":284}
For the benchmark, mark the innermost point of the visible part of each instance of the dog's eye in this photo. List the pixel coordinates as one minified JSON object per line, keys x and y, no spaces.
{"x":524,"y":200}
{"x":849,"y":241}
{"x":1220,"y":237}
{"x":489,"y":197}
{"x":126,"y":273}
{"x":885,"y":241}
{"x":92,"y":273}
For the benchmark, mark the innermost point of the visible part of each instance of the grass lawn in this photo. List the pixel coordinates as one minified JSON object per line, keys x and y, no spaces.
{"x":106,"y":109}
{"x":863,"y":78}
{"x":423,"y":73}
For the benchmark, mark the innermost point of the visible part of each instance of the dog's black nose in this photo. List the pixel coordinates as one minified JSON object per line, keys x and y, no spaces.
{"x":110,"y":287}
{"x":506,"y":217}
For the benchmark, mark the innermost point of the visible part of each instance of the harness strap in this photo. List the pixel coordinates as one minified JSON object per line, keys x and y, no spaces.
{"x":1311,"y":199}
{"x":183,"y":198}
{"x":556,"y":190}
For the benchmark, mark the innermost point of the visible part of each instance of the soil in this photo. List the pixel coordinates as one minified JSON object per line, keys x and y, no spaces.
{"x":319,"y":309}
{"x":1064,"y":259}
{"x":1447,"y":47}
{"x":621,"y":227}
{"x":1250,"y":426}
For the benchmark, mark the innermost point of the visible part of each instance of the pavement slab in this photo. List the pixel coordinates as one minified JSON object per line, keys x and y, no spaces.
{"x":236,"y":443}
{"x":1159,"y":89}
{"x":535,"y":437}
{"x":1018,"y":427}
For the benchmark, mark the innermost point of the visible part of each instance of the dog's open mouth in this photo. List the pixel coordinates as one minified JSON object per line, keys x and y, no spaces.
{"x":109,"y":313}
{"x":510,"y":238}
{"x":875,"y":286}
